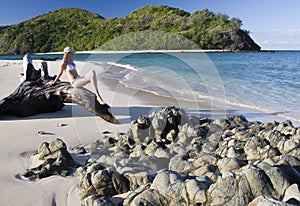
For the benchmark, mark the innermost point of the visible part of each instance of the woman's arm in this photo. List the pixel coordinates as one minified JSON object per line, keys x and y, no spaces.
{"x":60,"y":72}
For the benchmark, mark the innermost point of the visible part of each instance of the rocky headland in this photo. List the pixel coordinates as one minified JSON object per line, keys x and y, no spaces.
{"x":171,"y":158}
{"x":152,"y":27}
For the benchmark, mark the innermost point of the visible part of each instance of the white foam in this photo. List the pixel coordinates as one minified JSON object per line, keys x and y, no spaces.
{"x":125,"y":66}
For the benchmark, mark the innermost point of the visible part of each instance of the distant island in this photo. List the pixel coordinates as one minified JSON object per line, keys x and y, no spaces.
{"x":87,"y":31}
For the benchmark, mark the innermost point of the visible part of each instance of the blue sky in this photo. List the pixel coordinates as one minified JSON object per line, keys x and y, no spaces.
{"x":274,"y":24}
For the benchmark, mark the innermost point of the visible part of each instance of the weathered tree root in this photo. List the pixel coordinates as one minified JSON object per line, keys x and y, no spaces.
{"x":33,"y":96}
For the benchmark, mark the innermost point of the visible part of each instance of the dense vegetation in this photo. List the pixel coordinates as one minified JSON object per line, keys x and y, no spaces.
{"x":88,"y":31}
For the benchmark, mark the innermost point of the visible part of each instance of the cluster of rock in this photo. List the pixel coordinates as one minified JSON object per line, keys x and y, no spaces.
{"x":171,"y":158}
{"x":56,"y":161}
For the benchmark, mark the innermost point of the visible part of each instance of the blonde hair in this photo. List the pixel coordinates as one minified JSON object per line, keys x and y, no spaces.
{"x":66,"y":59}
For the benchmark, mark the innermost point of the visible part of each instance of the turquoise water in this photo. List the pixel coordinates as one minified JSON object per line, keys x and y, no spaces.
{"x":265,"y":81}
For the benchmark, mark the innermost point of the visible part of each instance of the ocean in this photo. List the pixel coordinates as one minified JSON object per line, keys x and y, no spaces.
{"x":261,"y":81}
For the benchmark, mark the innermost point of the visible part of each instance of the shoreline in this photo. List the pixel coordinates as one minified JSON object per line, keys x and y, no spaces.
{"x":198,"y":109}
{"x":212,"y":109}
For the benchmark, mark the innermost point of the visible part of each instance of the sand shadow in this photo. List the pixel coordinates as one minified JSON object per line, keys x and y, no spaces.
{"x":75,"y":111}
{"x":68,"y":111}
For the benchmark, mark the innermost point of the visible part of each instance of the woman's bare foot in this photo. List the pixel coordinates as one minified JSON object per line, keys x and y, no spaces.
{"x":101,"y":101}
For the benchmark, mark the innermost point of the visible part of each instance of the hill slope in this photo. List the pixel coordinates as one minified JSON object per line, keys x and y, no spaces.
{"x":85,"y":30}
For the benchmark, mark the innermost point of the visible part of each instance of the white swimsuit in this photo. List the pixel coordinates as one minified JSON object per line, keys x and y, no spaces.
{"x":71,"y":67}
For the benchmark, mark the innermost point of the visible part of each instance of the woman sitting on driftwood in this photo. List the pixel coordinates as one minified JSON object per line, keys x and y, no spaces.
{"x":69,"y":67}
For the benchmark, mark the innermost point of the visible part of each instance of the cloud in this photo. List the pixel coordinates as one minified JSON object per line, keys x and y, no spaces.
{"x":278,"y":40}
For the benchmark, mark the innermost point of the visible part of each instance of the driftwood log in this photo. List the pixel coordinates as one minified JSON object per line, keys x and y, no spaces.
{"x":33,"y":96}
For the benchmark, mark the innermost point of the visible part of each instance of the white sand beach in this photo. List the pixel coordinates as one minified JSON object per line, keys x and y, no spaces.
{"x":20,"y":138}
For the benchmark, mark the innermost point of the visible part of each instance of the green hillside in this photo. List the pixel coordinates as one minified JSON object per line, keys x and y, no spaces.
{"x":85,"y":30}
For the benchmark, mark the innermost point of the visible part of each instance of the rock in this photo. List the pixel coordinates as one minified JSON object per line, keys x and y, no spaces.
{"x":153,"y":163}
{"x":138,"y":151}
{"x":243,"y":195}
{"x":258,"y":181}
{"x":220,"y":123}
{"x":135,"y":164}
{"x":206,"y":159}
{"x":194,"y":192}
{"x":142,"y":196}
{"x":184,"y":139}
{"x":146,"y":197}
{"x":292,"y":174}
{"x":230,"y":164}
{"x":292,"y":146}
{"x":267,"y":201}
{"x":138,"y":133}
{"x":174,"y":189}
{"x":231,"y":149}
{"x":258,"y":149}
{"x":171,"y":158}
{"x":204,"y":121}
{"x":138,"y":179}
{"x":210,"y":146}
{"x":230,"y":190}
{"x":168,"y":184}
{"x":116,"y":157}
{"x":96,"y":179}
{"x":143,"y":122}
{"x":57,"y":144}
{"x":57,"y":161}
{"x":120,"y":183}
{"x":180,"y":163}
{"x":163,"y":153}
{"x":292,"y":194}
{"x":125,"y":143}
{"x":97,"y":148}
{"x":93,"y":166}
{"x":288,"y":159}
{"x":151,"y":148}
{"x":96,"y":200}
{"x":109,"y":142}
{"x":204,"y":180}
{"x":171,"y":136}
{"x":223,"y":190}
{"x":104,"y":182}
{"x":43,"y":150}
{"x":79,"y":150}
{"x":276,"y":139}
{"x":286,"y":128}
{"x":159,"y":122}
{"x":178,"y":148}
{"x":203,"y":170}
{"x":279,"y":180}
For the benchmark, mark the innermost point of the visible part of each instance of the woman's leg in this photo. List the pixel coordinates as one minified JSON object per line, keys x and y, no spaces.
{"x":90,"y":77}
